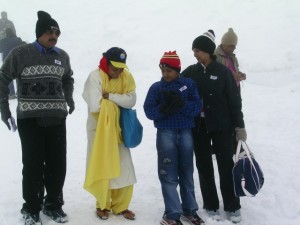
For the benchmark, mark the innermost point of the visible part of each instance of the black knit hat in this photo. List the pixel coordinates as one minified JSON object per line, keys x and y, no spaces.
{"x":205,"y":42}
{"x":45,"y":22}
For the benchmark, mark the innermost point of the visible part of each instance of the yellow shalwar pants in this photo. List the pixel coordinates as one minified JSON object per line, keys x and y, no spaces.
{"x":118,"y":199}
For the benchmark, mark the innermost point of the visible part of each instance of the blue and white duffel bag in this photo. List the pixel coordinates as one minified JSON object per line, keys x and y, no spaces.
{"x":248,"y":177}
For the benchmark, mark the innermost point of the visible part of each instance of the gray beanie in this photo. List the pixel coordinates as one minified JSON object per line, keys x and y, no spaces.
{"x":229,"y":38}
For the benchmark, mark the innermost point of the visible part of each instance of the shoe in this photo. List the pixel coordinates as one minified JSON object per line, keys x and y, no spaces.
{"x":214,"y":214}
{"x":127,"y":214}
{"x":234,"y":217}
{"x":24,"y":211}
{"x":32,"y":219}
{"x":102,"y":214}
{"x":166,"y":221}
{"x":57,"y":215}
{"x":194,"y":220}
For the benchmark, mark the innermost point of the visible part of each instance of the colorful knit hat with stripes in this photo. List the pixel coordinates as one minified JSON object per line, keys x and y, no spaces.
{"x":171,"y":60}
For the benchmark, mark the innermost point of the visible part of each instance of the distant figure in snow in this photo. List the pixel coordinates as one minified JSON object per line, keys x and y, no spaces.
{"x":6,"y":45}
{"x":225,"y":55}
{"x":4,"y":24}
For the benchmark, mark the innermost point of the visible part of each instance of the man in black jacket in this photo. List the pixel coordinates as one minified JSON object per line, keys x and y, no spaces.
{"x":221,"y":115}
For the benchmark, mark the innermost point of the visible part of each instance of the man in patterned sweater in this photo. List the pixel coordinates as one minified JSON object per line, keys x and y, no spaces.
{"x":45,"y":88}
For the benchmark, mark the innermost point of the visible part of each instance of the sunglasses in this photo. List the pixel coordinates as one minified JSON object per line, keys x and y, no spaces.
{"x":53,"y":31}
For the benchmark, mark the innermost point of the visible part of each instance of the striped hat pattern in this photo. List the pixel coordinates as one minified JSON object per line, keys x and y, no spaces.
{"x":205,"y":42}
{"x":171,"y":60}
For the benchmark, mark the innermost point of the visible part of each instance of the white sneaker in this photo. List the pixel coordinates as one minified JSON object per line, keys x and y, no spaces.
{"x":214,"y":214}
{"x":235,"y":217}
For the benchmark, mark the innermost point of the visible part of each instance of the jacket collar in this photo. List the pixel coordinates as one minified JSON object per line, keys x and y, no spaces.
{"x":41,"y":49}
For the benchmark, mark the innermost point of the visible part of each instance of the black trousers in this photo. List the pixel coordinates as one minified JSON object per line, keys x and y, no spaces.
{"x":44,"y":163}
{"x":221,"y":141}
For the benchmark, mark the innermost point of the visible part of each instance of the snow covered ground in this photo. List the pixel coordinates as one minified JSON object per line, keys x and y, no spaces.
{"x":268,"y":51}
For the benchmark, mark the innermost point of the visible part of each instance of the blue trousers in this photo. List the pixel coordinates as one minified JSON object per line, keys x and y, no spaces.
{"x":175,"y":167}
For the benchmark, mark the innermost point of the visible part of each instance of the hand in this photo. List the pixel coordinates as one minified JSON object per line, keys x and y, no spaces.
{"x":242,"y":76}
{"x":71,"y":105}
{"x":168,"y":96}
{"x":236,"y":76}
{"x":240,"y":134}
{"x":105,"y":95}
{"x":172,"y":103}
{"x":5,"y":114}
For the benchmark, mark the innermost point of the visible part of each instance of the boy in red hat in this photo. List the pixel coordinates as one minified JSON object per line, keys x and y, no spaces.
{"x":172,"y":103}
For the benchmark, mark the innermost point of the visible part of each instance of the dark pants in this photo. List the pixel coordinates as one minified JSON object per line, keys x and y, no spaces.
{"x":44,"y":163}
{"x":11,"y":89}
{"x":222,"y":145}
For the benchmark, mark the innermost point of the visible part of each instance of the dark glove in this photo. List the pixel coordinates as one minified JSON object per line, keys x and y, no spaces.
{"x":5,"y":113}
{"x":168,"y":96}
{"x":172,"y":102}
{"x":240,"y":134}
{"x":71,"y":105}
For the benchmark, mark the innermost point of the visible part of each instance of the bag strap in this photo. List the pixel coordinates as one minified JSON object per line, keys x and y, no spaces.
{"x":238,"y":150}
{"x":248,"y":152}
{"x":243,"y":185}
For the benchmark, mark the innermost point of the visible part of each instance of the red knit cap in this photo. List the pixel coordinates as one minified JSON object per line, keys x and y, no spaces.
{"x":171,"y":60}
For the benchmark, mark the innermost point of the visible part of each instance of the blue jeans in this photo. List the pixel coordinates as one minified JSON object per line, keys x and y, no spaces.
{"x":175,"y":166}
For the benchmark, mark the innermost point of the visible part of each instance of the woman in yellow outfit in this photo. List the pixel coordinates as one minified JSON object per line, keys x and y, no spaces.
{"x":110,"y":172}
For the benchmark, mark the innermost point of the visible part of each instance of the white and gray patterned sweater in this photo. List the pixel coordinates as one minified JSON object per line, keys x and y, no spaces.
{"x":44,"y":81}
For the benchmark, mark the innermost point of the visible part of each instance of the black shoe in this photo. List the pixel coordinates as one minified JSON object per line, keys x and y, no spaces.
{"x":32,"y":219}
{"x":57,"y":215}
{"x":194,"y":220}
{"x":24,"y":211}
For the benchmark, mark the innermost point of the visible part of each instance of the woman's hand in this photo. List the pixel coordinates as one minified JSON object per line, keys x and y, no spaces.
{"x":105,"y":95}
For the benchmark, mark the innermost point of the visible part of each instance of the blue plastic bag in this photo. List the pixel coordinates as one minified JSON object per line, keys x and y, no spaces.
{"x":132,"y":130}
